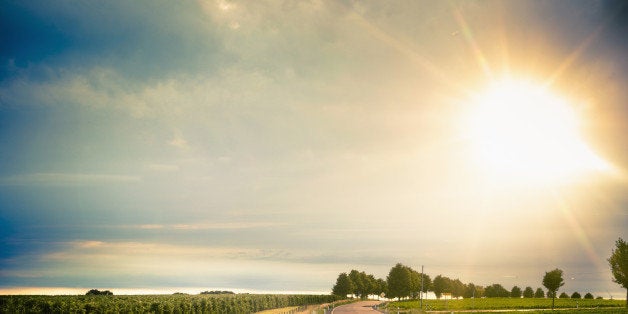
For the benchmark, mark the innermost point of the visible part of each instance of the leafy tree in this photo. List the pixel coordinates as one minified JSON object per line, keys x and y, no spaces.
{"x":427,"y":283}
{"x":576,"y":295}
{"x":539,"y":293}
{"x":552,"y":281}
{"x":619,"y":264}
{"x":457,"y":288}
{"x":473,"y":291}
{"x":599,"y":298}
{"x":441,"y":284}
{"x":343,"y":286}
{"x":381,"y":287}
{"x":563,"y":295}
{"x":515,"y":292}
{"x":98,"y":292}
{"x":588,"y":296}
{"x":363,"y":284}
{"x":528,"y":292}
{"x":399,"y":282}
{"x":496,"y":291}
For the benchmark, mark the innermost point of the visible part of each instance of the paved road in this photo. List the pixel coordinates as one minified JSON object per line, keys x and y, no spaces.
{"x":357,"y":307}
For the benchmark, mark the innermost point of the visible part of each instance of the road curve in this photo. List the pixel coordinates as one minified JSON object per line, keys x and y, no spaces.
{"x":357,"y":307}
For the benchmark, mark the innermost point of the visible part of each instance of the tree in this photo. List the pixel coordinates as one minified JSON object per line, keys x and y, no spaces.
{"x":457,"y":288}
{"x":98,"y":292}
{"x":552,"y":281}
{"x":619,"y":264}
{"x":382,"y":287}
{"x":528,"y":292}
{"x":496,"y":291}
{"x":539,"y":293}
{"x":588,"y":296}
{"x":563,"y":295}
{"x":515,"y":292}
{"x":441,"y":284}
{"x":399,"y":282}
{"x":343,"y":286}
{"x":576,"y":295}
{"x":472,"y":291}
{"x":427,"y":283}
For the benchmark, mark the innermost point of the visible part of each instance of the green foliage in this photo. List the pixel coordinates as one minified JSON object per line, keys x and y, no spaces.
{"x":588,"y":296}
{"x":576,"y":295}
{"x":440,"y":285}
{"x":564,"y":296}
{"x":399,"y":281}
{"x":552,"y":281}
{"x":619,"y":264}
{"x":207,"y":303}
{"x":217,"y":292}
{"x":343,"y":286}
{"x":496,"y":291}
{"x":98,"y":292}
{"x":515,"y":292}
{"x":505,"y":303}
{"x":539,"y":293}
{"x":528,"y":292}
{"x":473,"y":291}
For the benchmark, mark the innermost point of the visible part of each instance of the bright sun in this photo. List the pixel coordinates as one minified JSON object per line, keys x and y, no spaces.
{"x":524,"y":132}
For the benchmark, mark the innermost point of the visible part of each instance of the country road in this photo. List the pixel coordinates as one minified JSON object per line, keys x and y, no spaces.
{"x":357,"y":307}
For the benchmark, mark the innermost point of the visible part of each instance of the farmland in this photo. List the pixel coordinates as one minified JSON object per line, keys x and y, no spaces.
{"x":240,"y":303}
{"x":508,"y":304}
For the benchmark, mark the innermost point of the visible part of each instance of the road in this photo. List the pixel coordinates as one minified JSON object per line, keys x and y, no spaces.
{"x":357,"y":307}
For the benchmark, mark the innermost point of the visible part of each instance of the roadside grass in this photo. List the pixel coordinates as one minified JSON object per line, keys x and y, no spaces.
{"x":510,"y":304}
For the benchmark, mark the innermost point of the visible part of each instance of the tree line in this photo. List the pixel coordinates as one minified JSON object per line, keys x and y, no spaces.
{"x":404,"y":282}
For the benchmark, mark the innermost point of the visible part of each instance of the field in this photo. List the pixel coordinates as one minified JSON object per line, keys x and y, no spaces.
{"x":512,"y":303}
{"x":239,"y":303}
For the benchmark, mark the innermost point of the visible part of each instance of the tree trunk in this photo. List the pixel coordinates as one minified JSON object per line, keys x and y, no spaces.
{"x":626,"y":297}
{"x":553,"y":296}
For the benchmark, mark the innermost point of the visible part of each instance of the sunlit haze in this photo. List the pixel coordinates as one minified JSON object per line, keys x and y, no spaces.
{"x":525,"y":133}
{"x":267,"y":146}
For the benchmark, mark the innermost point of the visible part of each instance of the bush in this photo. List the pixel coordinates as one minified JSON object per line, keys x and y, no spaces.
{"x":98,"y":292}
{"x":563,"y":296}
{"x":588,"y":296}
{"x":576,"y":295}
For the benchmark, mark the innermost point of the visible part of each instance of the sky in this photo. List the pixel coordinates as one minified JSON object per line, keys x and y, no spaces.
{"x":271,"y":145}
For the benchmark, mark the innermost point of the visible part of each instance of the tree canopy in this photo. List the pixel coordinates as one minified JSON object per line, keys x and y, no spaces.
{"x":528,"y":292}
{"x":552,"y":281}
{"x":399,"y":281}
{"x":576,"y":295}
{"x":539,"y":293}
{"x":343,"y":286}
{"x":496,"y":291}
{"x":98,"y":292}
{"x":619,"y":264}
{"x":515,"y":292}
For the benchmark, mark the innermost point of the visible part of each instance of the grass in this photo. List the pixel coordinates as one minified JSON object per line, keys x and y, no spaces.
{"x":596,"y":306}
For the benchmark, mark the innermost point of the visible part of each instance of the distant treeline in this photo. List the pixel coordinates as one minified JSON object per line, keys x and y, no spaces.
{"x":405,"y":282}
{"x":217,"y":292}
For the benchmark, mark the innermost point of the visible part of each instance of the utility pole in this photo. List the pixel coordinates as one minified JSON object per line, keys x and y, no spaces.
{"x":421,"y":292}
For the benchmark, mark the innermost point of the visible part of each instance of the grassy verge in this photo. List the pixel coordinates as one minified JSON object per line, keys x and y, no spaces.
{"x":508,"y":304}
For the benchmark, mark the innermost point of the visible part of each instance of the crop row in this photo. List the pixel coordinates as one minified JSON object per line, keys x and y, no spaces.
{"x":241,"y":303}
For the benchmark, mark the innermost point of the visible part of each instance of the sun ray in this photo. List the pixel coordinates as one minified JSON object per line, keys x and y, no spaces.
{"x":573,"y":56}
{"x":468,"y":36}
{"x":407,"y":50}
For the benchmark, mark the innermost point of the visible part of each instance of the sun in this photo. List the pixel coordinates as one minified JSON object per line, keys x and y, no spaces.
{"x":524,"y":132}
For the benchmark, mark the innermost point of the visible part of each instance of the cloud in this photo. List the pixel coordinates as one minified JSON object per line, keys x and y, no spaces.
{"x":63,"y":179}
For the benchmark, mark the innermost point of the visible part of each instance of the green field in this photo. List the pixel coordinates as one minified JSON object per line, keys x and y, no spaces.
{"x":232,"y":303}
{"x":512,"y":303}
